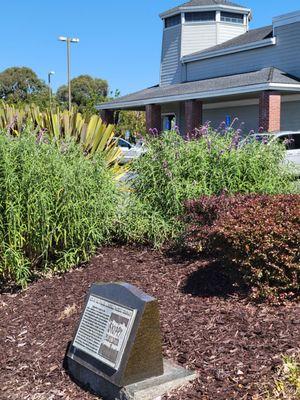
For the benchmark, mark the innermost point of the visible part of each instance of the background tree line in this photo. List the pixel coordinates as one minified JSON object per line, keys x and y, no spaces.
{"x":21,"y":85}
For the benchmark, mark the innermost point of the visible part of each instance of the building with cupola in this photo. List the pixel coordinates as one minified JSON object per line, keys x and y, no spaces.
{"x":215,"y":68}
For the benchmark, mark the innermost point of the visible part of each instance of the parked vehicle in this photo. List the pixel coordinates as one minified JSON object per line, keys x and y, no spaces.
{"x":130,"y":151}
{"x":291,"y":140}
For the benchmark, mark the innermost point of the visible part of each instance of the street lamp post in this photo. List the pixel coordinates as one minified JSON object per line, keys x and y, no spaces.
{"x":69,"y":41}
{"x":50,"y":73}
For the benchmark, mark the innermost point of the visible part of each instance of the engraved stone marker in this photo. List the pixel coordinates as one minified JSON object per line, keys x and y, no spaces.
{"x":117,"y":351}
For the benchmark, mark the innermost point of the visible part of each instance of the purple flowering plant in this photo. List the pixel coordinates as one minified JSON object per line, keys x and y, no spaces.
{"x":206,"y":161}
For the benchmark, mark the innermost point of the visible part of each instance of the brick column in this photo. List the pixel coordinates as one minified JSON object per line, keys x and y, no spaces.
{"x":193,"y":115}
{"x":107,"y":116}
{"x":270,"y":111}
{"x":153,"y":117}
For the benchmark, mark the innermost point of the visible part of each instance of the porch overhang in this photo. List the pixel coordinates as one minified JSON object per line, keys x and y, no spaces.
{"x":201,"y":96}
{"x":266,"y":85}
{"x":267,"y":79}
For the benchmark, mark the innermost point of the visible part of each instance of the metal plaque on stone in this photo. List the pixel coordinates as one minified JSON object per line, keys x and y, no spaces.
{"x":104,"y":330}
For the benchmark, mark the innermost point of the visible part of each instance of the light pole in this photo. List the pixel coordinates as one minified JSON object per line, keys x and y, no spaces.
{"x":69,"y":41}
{"x":50,"y":73}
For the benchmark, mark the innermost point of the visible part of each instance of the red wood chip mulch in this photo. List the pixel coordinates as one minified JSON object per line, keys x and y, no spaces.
{"x":208,"y":324}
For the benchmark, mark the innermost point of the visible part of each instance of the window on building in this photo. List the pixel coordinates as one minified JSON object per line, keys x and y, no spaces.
{"x":232,"y":17}
{"x":169,"y":122}
{"x":172,"y":21}
{"x":200,"y":16}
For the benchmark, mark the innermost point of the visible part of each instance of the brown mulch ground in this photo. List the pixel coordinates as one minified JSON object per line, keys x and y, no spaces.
{"x":207,"y":322}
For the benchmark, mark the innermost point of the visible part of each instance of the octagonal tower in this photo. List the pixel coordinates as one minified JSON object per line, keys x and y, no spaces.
{"x":196,"y":26}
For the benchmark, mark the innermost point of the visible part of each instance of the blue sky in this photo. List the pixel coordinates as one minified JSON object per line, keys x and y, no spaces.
{"x":120,"y":40}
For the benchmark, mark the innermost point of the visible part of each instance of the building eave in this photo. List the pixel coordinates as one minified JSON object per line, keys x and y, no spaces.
{"x":201,"y":95}
{"x":229,"y":50}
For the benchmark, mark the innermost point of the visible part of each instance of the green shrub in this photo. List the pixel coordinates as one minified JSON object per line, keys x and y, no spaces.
{"x":175,"y":170}
{"x":286,"y":385}
{"x":137,"y":223}
{"x":56,"y":207}
{"x":259,"y":234}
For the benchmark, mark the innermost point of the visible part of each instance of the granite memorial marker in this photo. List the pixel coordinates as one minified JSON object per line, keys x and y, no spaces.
{"x":117,"y":350}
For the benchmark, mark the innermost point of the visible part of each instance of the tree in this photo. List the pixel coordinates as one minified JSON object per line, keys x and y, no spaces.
{"x":21,"y":84}
{"x":132,"y":121}
{"x":86,"y":92}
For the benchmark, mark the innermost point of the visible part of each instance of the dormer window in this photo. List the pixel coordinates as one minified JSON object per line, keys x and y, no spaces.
{"x":200,"y":16}
{"x":232,"y":17}
{"x":173,"y":21}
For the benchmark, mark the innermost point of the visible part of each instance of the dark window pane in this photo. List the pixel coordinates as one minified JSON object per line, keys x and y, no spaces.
{"x":200,"y":16}
{"x":172,"y":21}
{"x":123,"y":143}
{"x":232,"y":17}
{"x":291,"y":142}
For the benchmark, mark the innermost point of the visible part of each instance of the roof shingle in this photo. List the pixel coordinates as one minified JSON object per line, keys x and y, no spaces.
{"x":265,"y":75}
{"x":203,"y":3}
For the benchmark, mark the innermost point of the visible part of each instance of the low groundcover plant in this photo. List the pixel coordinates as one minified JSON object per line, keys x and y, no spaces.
{"x":286,"y":384}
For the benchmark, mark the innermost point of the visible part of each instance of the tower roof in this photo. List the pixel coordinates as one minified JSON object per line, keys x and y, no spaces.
{"x":210,"y":3}
{"x":203,"y":3}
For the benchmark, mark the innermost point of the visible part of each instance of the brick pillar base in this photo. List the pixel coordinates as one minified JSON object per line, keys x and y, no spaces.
{"x":153,"y":118}
{"x":193,"y":115}
{"x":108,"y":116}
{"x":270,"y":111}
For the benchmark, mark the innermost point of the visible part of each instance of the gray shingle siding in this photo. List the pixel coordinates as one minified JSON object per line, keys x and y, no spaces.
{"x":170,"y":58}
{"x":285,"y":55}
{"x":247,"y":117}
{"x":254,"y":35}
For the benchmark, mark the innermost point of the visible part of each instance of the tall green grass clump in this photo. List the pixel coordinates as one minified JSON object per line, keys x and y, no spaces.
{"x":56,"y":207}
{"x":175,"y":169}
{"x":286,"y":385}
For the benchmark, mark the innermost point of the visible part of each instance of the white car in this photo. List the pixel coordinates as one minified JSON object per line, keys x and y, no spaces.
{"x":291,"y":140}
{"x":130,"y":151}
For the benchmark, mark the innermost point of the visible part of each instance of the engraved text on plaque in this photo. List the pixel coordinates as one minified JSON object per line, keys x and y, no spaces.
{"x":104,"y":330}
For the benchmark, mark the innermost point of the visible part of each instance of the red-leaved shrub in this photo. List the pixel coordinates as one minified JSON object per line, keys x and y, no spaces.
{"x":260,"y":234}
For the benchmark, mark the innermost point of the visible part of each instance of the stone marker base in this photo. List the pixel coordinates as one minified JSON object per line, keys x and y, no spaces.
{"x":149,"y":389}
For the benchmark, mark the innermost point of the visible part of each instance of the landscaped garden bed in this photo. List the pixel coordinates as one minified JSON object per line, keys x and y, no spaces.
{"x":227,"y":291}
{"x":208,"y":322}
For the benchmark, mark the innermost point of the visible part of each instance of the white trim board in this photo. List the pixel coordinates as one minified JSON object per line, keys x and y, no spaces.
{"x":201,"y":95}
{"x":230,"y":50}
